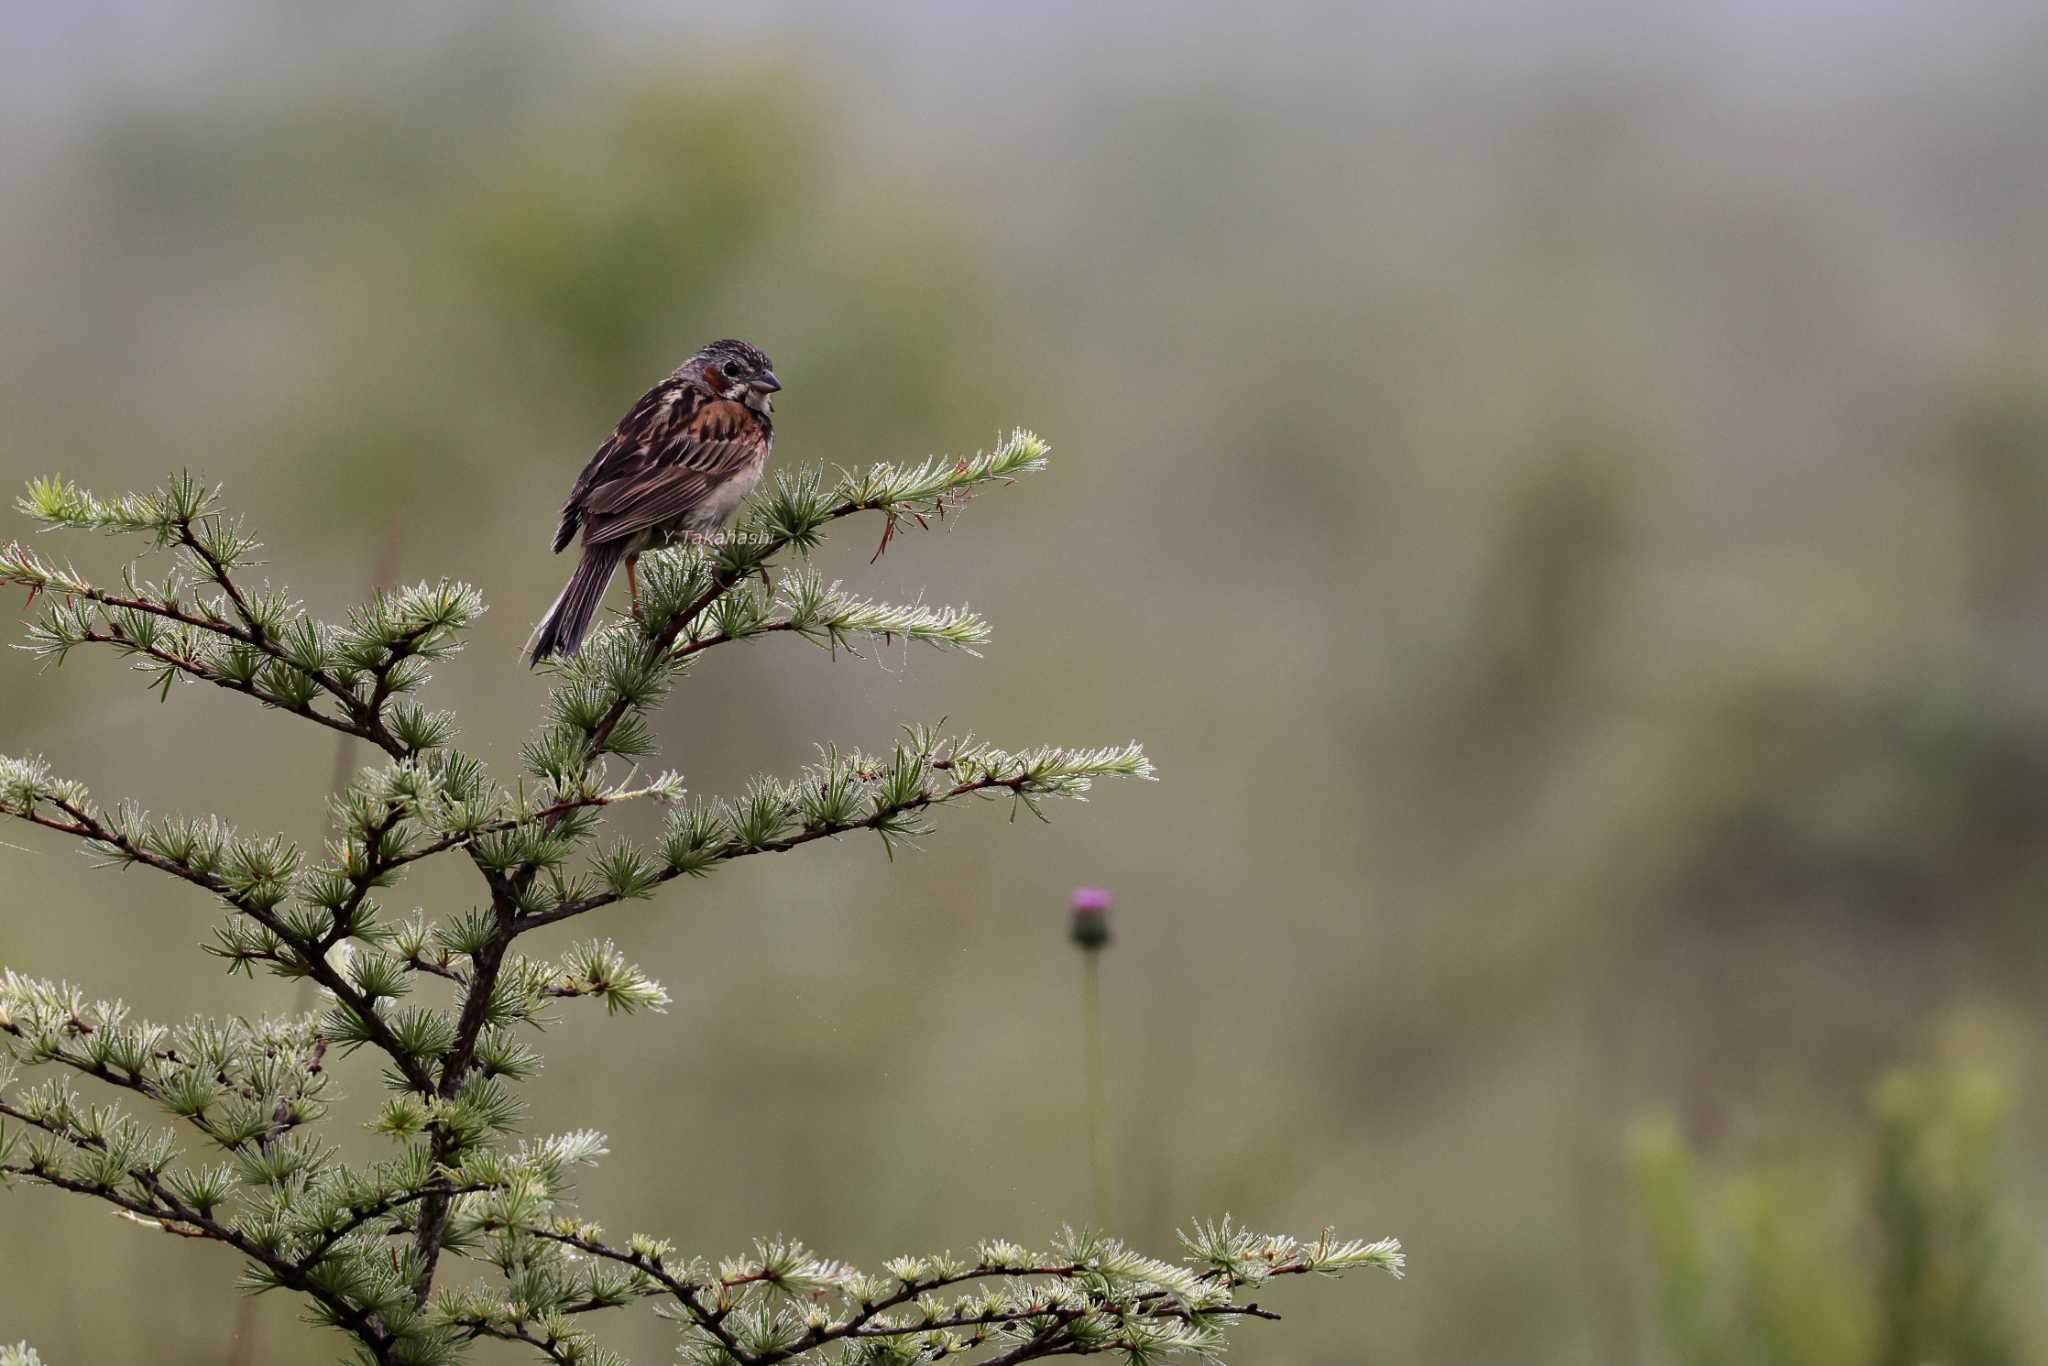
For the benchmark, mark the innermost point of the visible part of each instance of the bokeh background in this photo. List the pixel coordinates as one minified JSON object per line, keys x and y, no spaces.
{"x":1560,"y":488}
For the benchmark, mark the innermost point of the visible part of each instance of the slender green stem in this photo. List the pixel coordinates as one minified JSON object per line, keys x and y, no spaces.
{"x":1098,"y":1105}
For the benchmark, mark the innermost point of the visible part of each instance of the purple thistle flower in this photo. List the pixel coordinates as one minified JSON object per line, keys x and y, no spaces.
{"x":1090,"y":926}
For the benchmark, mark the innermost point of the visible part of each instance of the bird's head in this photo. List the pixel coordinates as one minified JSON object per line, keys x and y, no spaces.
{"x":734,"y":370}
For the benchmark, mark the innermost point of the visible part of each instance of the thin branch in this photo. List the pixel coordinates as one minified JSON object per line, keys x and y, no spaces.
{"x":684,"y":1292}
{"x":400,"y":650}
{"x":375,"y":866}
{"x":698,"y":644}
{"x":729,"y":851}
{"x":862,"y":1324}
{"x":254,"y":633}
{"x":551,"y":1348}
{"x":1042,"y":1344}
{"x":197,"y":669}
{"x":440,"y":969}
{"x":168,"y":1212}
{"x":249,"y":632}
{"x":377,"y":1210}
{"x":548,"y":814}
{"x":990,"y":1318}
{"x":218,"y":572}
{"x":85,"y":826}
{"x":485,"y":964}
{"x":132,"y":1081}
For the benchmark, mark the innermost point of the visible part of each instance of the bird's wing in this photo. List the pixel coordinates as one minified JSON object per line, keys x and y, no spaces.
{"x":626,"y":450}
{"x":667,"y":466}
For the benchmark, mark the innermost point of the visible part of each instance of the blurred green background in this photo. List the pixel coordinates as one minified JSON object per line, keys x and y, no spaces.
{"x":1558,"y":487}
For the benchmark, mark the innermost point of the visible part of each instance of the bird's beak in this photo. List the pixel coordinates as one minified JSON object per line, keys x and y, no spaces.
{"x":766,"y":383}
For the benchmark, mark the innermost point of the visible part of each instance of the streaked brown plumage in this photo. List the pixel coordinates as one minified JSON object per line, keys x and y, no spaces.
{"x":677,"y":464}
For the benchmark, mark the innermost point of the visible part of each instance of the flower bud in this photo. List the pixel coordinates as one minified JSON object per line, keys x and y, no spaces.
{"x":1090,"y":925}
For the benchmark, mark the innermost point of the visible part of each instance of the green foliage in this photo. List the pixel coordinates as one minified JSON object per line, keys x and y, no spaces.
{"x":1948,"y":1280}
{"x":450,"y":1004}
{"x":1793,"y":1261}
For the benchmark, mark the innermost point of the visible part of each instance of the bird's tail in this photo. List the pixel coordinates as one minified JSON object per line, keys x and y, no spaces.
{"x":563,"y":628}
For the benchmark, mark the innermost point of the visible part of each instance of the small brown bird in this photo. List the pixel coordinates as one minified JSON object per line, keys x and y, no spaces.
{"x":676,"y":465}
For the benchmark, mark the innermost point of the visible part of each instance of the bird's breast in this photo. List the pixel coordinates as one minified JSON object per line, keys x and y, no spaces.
{"x":719,"y":502}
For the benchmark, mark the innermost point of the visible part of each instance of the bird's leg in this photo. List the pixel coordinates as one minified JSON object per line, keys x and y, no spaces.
{"x":633,"y":583}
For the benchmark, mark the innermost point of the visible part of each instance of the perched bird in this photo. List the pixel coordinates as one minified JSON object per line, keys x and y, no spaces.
{"x":676,"y":465}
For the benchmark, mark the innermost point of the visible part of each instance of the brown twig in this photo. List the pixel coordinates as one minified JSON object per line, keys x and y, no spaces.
{"x":595,"y":900}
{"x":85,"y":826}
{"x":166,"y":1210}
